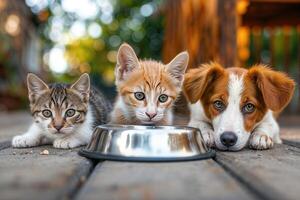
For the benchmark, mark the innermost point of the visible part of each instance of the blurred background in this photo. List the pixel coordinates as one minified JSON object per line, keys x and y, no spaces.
{"x":60,"y":39}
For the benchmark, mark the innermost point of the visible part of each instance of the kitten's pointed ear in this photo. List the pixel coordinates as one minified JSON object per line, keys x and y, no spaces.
{"x":127,"y":61}
{"x":35,"y":86}
{"x":82,"y":85}
{"x":178,"y":66}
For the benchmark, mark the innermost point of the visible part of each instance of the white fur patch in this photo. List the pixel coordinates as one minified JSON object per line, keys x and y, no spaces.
{"x":265,"y":133}
{"x":197,"y":113}
{"x":199,"y":120}
{"x":37,"y":134}
{"x":231,"y":119}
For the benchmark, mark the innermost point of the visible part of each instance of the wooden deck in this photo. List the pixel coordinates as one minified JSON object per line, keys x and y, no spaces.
{"x":248,"y":174}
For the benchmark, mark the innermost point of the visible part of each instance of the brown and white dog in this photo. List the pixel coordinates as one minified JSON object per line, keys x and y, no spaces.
{"x":234,"y":107}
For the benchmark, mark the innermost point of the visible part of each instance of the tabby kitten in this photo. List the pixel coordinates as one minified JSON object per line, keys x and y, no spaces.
{"x":147,"y":89}
{"x":63,"y":115}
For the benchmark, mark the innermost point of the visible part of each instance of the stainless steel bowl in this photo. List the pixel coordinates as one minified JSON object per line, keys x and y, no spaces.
{"x":146,"y":143}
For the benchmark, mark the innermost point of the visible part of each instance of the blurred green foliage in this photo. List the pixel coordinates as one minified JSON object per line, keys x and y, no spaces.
{"x":283,"y":42}
{"x":130,"y":22}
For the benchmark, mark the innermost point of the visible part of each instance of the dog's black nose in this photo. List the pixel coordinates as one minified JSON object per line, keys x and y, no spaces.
{"x":228,"y":138}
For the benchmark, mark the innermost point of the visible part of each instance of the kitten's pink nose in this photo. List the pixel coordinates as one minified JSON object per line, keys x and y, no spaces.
{"x":58,"y":127}
{"x":151,"y":114}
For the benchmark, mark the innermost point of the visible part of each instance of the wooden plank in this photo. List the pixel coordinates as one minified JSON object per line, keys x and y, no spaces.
{"x":25,"y":174}
{"x":292,"y":143}
{"x":290,"y":135}
{"x":183,"y":180}
{"x":12,"y":124}
{"x":8,"y":132}
{"x":5,"y":144}
{"x":8,"y":119}
{"x":272,"y":174}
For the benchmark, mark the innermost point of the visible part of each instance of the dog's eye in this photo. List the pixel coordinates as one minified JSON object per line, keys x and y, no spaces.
{"x":70,"y":112}
{"x":139,"y":96}
{"x":163,"y":98}
{"x":47,"y":113}
{"x":248,"y":108}
{"x":219,"y":105}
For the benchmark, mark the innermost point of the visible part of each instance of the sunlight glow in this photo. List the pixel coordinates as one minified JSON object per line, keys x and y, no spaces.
{"x":12,"y":25}
{"x":2,"y":5}
{"x":38,"y":5}
{"x":72,"y":21}
{"x":56,"y":30}
{"x":86,"y":9}
{"x":146,"y":10}
{"x":94,"y":30}
{"x":57,"y":61}
{"x":106,"y":18}
{"x":78,"y":29}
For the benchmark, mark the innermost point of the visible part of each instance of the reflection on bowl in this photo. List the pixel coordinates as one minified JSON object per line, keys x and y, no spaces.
{"x":146,"y":143}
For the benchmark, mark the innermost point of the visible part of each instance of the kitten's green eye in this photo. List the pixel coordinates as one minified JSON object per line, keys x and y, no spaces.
{"x":219,"y":105}
{"x":70,"y":113}
{"x":248,"y":108}
{"x":139,"y":96}
{"x":47,"y":113}
{"x":163,"y":98}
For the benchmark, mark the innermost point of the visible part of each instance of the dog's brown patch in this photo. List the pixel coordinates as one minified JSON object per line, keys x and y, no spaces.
{"x":263,"y":87}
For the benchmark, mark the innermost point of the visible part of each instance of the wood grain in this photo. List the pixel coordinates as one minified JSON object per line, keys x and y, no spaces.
{"x":272,"y":174}
{"x":184,"y":180}
{"x":25,"y":174}
{"x":12,"y":124}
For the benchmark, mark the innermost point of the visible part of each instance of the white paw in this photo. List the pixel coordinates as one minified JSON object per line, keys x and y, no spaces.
{"x":208,"y":137}
{"x":260,"y":141}
{"x":67,"y":143}
{"x":24,"y":141}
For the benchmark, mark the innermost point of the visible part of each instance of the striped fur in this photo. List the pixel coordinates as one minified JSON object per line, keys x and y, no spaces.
{"x":74,"y":110}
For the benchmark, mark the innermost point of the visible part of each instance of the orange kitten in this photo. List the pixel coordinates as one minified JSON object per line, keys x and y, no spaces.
{"x":147,"y":89}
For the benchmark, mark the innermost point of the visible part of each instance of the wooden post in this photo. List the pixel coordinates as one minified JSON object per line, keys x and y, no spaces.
{"x":206,"y":29}
{"x":298,"y":83}
{"x":191,"y":25}
{"x":228,"y":19}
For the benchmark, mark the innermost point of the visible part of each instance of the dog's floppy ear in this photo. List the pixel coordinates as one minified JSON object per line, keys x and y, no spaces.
{"x":276,"y":87}
{"x":196,"y":80}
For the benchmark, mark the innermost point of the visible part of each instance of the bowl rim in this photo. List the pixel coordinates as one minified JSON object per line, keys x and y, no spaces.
{"x":211,"y":153}
{"x":144,"y":127}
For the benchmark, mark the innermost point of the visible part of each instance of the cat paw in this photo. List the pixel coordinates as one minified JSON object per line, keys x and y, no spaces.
{"x":208,"y":137}
{"x":260,"y":141}
{"x":24,"y":141}
{"x":67,"y":143}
